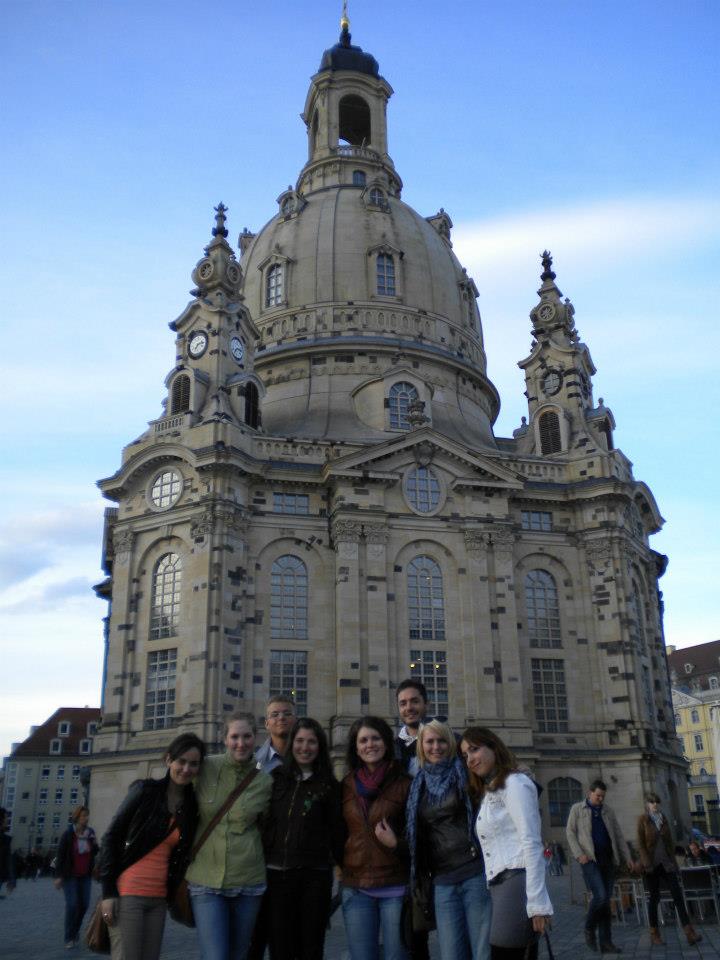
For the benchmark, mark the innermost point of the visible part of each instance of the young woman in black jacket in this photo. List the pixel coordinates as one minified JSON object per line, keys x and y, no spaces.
{"x":73,"y":871}
{"x":145,"y":852}
{"x":303,"y":836}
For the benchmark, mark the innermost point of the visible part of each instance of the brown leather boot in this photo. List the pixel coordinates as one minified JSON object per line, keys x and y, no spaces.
{"x":692,"y":936}
{"x":655,"y":938}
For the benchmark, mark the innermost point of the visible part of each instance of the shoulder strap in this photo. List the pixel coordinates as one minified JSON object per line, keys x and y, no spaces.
{"x":230,"y":800}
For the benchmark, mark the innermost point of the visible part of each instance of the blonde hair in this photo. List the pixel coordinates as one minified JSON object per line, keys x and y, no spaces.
{"x":442,"y":730}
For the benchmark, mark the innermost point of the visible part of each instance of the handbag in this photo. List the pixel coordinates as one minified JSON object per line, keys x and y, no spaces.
{"x":97,"y":935}
{"x":179,"y":901}
{"x":533,"y":947}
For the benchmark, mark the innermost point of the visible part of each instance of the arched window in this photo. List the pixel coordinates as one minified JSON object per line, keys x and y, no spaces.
{"x":543,"y":611}
{"x":426,"y":606}
{"x":252,"y":405}
{"x":287,"y":206}
{"x":274,"y":286}
{"x":166,"y":591}
{"x":354,"y":116}
{"x":422,"y":489}
{"x":550,"y":433}
{"x":563,"y":792}
{"x":399,"y":397}
{"x":180,"y":398}
{"x":288,"y":599}
{"x":359,"y":178}
{"x":385,"y":275}
{"x":377,"y":197}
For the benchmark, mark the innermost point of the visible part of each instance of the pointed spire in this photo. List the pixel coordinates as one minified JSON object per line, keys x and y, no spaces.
{"x":345,"y":26}
{"x":219,"y":229}
{"x":547,"y":273}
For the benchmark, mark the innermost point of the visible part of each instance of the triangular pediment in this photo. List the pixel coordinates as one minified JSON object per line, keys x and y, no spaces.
{"x":681,"y":699}
{"x":427,"y":444}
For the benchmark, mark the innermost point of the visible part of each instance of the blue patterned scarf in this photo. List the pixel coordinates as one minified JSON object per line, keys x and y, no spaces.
{"x":438,"y":780}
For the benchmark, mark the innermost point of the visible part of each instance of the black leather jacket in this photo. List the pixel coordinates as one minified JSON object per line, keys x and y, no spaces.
{"x":142,"y":822}
{"x":304,"y":825}
{"x":444,"y":834}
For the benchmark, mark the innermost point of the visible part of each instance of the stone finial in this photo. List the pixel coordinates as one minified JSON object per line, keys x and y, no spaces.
{"x":416,"y":413}
{"x":219,"y":229}
{"x":547,"y":273}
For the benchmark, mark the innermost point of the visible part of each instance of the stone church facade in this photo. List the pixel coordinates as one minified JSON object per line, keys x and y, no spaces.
{"x":323,"y":508}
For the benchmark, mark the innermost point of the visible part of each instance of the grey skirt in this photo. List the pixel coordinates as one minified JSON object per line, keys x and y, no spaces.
{"x":511,"y":927}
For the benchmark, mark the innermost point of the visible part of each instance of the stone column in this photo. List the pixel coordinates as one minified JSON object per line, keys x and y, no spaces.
{"x":503,"y":625}
{"x":346,"y":540}
{"x":381,"y":660}
{"x":480,"y":669}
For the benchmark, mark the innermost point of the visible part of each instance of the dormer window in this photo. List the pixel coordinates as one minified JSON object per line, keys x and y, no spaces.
{"x":385,"y":275}
{"x":85,"y":746}
{"x":92,"y":729}
{"x":376,"y":197}
{"x":400,"y":396}
{"x":64,"y":728}
{"x":688,"y":668}
{"x":274,"y":285}
{"x":56,"y":746}
{"x":286,"y":208}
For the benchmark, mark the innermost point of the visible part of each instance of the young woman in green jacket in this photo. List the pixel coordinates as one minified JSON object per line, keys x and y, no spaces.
{"x":227,"y":877}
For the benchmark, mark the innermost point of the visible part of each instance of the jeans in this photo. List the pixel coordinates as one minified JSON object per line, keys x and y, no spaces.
{"x":224,"y":922}
{"x":599,"y":877}
{"x":463,"y":912}
{"x":298,"y":913}
{"x":364,"y":917}
{"x":77,"y":898}
{"x":653,"y":880}
{"x":138,"y":929}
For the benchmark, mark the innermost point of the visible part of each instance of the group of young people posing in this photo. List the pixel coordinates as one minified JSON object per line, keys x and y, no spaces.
{"x":257,"y":837}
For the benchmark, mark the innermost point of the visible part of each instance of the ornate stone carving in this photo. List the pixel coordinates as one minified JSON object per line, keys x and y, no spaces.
{"x":122,"y":545}
{"x":476,"y":541}
{"x":348,"y":531}
{"x":502,"y":543}
{"x":203,"y":524}
{"x":376,"y":533}
{"x":598,"y":554}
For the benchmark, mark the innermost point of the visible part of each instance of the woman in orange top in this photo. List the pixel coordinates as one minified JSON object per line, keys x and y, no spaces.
{"x":145,"y":852}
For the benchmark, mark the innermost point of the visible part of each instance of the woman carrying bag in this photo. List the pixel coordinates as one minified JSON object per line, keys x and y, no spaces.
{"x":656,"y":847}
{"x":440,"y":836}
{"x":145,"y":851}
{"x":226,"y":878}
{"x":508,"y":828}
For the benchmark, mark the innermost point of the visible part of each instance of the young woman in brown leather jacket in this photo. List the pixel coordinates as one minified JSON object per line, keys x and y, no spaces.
{"x":657,"y":855}
{"x":375,"y":862}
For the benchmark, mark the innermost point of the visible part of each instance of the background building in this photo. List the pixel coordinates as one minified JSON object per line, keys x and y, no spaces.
{"x":695,"y":678}
{"x":46,"y":777}
{"x":322,"y":507}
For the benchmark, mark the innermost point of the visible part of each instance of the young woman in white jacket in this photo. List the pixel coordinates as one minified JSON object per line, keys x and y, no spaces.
{"x":508,"y":829}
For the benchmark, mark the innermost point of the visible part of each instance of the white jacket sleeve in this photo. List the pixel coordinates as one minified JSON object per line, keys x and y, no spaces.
{"x":521,"y":802}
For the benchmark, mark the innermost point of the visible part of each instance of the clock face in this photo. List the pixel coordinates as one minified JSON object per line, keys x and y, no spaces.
{"x":546,"y":312}
{"x":551,"y":383}
{"x":198,"y":344}
{"x":237,"y":349}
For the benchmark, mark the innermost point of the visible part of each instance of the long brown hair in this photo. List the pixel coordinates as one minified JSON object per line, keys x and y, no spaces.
{"x":505,"y":761}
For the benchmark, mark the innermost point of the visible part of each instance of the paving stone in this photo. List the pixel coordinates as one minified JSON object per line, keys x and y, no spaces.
{"x":31,"y":928}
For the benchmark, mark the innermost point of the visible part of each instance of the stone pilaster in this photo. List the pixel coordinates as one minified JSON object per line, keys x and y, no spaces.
{"x":503,"y":626}
{"x":346,"y":540}
{"x":381,"y":659}
{"x":481,"y":695}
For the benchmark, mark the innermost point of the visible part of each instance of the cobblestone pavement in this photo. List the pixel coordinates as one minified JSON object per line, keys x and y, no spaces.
{"x":31,"y":928}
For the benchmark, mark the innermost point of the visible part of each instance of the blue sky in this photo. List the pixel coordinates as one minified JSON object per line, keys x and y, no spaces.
{"x":591,"y":129}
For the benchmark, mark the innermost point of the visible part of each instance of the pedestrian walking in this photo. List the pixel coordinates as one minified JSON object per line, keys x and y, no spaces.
{"x":7,"y":867}
{"x":656,"y":847}
{"x":73,"y":871}
{"x":598,"y":845}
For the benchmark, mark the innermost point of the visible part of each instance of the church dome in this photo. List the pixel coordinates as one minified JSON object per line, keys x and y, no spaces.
{"x":347,"y":279}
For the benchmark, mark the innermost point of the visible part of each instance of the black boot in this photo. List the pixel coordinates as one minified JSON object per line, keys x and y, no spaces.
{"x":590,"y":939}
